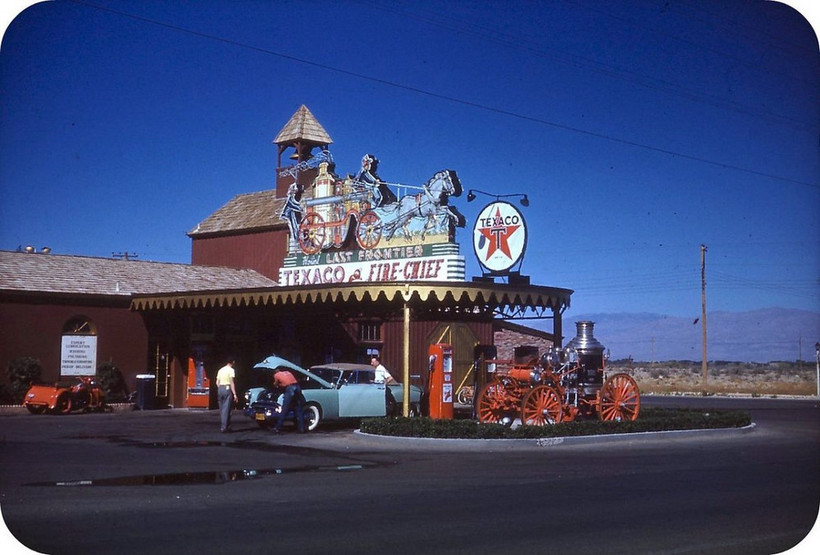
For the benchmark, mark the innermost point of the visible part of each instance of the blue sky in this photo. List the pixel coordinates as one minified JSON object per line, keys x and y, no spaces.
{"x":638,"y":129}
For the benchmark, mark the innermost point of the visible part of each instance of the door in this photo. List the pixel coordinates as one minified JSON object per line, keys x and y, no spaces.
{"x":357,"y":400}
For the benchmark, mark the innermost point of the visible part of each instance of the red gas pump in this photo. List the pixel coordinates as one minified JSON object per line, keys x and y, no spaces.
{"x":198,"y":384}
{"x":441,"y":380}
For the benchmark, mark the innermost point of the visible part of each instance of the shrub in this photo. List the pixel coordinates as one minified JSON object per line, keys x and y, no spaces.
{"x":651,"y":420}
{"x":110,"y":379}
{"x":22,"y":372}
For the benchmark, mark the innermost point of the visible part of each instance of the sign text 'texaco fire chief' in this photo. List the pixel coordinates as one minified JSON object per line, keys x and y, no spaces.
{"x":355,"y":229}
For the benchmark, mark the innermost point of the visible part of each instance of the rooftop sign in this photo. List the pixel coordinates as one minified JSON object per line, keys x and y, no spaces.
{"x":357,"y":229}
{"x":499,"y":237}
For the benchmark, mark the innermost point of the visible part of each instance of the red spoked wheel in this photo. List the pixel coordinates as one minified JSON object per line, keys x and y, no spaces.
{"x":541,"y":406}
{"x":493,"y":404}
{"x":312,"y":233}
{"x":369,"y":230}
{"x":619,"y":399}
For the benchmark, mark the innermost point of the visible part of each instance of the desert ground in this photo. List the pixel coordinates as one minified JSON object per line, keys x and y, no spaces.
{"x":722,"y":378}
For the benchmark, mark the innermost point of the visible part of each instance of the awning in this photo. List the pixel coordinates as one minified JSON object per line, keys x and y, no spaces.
{"x":504,"y":300}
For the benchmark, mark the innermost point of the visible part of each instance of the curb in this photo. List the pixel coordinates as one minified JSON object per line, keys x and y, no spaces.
{"x":545,"y":442}
{"x":21,"y":409}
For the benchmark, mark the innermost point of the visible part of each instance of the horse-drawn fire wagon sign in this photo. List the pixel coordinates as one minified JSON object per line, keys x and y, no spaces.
{"x":357,"y":229}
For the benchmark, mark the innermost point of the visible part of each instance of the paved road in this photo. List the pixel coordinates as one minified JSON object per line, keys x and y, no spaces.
{"x":169,"y":482}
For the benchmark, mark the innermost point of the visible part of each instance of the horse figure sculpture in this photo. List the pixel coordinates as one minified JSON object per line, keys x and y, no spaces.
{"x":431,"y":202}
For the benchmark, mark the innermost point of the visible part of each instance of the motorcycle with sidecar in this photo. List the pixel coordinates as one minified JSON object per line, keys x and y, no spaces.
{"x":81,"y":393}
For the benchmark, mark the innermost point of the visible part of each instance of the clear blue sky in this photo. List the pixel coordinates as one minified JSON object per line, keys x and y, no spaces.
{"x":638,"y":129}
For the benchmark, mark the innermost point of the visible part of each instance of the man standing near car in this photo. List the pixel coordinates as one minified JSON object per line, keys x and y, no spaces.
{"x":226,"y":393}
{"x":383,"y":375}
{"x":292,"y":395}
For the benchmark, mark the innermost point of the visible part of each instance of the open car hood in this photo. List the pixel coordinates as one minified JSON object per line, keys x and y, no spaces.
{"x":273,"y":362}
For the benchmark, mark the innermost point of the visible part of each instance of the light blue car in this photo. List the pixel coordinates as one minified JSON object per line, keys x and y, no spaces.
{"x":332,"y":391}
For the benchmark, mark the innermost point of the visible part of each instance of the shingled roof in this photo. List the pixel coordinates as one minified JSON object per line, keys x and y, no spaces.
{"x":82,"y":275}
{"x":246,"y":212}
{"x":303,"y":126}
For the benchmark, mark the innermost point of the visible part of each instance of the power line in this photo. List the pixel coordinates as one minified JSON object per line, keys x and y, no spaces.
{"x":453,"y":99}
{"x":520,"y":43}
{"x":732,"y":29}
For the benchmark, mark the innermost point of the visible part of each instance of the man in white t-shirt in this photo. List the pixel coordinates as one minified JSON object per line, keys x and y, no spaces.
{"x":382,"y":374}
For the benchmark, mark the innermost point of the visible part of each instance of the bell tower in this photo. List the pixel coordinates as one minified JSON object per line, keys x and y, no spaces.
{"x":297,"y":141}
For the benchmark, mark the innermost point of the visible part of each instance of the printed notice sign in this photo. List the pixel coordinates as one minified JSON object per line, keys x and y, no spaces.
{"x":78,"y":355}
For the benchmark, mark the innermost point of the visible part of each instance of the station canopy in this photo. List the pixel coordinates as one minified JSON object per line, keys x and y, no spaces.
{"x":496,"y":299}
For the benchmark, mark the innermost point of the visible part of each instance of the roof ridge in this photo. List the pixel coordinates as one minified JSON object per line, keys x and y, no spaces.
{"x":88,"y":275}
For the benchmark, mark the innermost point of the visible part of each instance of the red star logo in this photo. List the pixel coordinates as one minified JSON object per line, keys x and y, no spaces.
{"x":498,"y":235}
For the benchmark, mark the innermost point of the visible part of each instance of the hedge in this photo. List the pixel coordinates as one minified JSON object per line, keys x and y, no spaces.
{"x":650,"y":420}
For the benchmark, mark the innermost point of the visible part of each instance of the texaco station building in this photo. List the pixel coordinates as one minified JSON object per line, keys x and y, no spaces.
{"x":329,"y":266}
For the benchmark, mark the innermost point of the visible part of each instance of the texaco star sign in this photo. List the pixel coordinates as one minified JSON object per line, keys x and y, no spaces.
{"x":499,"y":237}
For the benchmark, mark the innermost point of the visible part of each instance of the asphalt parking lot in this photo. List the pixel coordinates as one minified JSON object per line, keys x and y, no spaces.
{"x":169,"y":481}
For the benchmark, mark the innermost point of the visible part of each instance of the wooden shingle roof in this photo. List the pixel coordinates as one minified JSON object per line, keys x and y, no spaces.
{"x":83,"y":275}
{"x":303,"y":126}
{"x":245,"y":212}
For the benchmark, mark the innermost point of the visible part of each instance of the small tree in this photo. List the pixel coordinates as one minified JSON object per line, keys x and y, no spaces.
{"x":112,"y":382}
{"x":22,"y":372}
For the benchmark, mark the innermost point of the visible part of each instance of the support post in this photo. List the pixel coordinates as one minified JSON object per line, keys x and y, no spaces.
{"x":406,"y":387}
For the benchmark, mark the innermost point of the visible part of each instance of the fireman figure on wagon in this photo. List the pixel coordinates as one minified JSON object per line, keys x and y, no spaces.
{"x":292,"y":213}
{"x":369,"y":176}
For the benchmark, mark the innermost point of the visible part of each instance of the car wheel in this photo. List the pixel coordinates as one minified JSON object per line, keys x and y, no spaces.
{"x":312,"y":415}
{"x":36,"y":409}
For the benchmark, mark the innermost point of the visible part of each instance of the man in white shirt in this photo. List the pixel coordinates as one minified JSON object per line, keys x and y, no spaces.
{"x":382,"y":374}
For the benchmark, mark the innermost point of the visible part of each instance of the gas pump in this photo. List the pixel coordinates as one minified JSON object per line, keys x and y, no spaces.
{"x":198,"y":383}
{"x":441,"y":380}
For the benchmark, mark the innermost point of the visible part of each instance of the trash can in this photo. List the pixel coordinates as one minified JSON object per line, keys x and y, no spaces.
{"x":146,"y":391}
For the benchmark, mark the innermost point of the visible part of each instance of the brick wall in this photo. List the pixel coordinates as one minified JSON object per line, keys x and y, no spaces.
{"x":507,"y":340}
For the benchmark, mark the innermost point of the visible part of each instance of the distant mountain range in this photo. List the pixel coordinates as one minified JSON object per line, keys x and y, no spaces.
{"x":765,"y":335}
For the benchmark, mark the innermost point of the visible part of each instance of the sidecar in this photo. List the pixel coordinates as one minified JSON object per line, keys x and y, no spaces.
{"x":64,"y":396}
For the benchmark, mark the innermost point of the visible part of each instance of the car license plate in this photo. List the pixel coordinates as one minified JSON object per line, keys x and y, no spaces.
{"x":259,"y":416}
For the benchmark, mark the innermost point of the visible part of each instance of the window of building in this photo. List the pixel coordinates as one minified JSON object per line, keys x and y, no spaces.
{"x":79,"y":325}
{"x":370,"y":332}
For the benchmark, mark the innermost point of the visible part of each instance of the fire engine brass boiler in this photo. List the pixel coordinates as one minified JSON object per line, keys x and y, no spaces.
{"x":590,"y":353}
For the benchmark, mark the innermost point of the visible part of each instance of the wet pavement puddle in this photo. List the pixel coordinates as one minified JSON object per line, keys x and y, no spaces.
{"x":199,"y":478}
{"x":209,"y":477}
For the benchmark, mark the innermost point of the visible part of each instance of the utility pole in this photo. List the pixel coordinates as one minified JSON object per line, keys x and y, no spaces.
{"x":817,"y":365}
{"x":703,"y":365}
